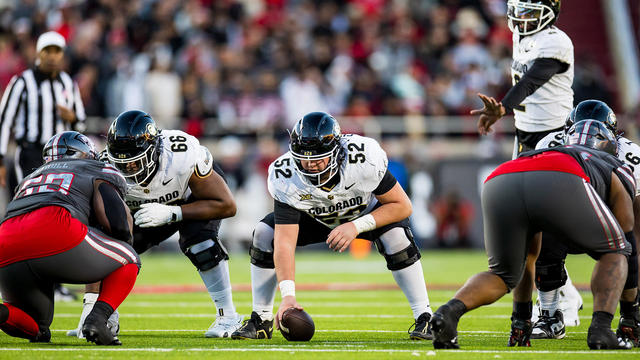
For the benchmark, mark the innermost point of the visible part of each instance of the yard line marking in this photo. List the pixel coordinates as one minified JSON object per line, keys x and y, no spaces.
{"x":466,"y":332}
{"x":323,"y":316}
{"x":297,"y":348}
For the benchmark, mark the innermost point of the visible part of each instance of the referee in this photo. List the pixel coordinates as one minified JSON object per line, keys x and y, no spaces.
{"x":37,"y":104}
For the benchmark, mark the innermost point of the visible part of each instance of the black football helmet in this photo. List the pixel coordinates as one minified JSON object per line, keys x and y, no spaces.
{"x":593,"y":134}
{"x":526,"y":17}
{"x":314,"y":137}
{"x":69,"y":145}
{"x":594,"y":110}
{"x":133,"y":146}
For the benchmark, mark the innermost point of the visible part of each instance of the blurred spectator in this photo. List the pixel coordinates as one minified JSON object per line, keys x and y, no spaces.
{"x":454,"y":216}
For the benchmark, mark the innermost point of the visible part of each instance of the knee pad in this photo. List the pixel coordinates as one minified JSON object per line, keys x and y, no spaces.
{"x":263,"y":236}
{"x":550,"y":276}
{"x":261,"y":258}
{"x":403,"y":258}
{"x":207,"y":254}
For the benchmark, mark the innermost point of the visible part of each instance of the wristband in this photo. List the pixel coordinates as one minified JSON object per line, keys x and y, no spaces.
{"x":364,"y":223}
{"x":287,"y":288}
{"x":177,"y":214}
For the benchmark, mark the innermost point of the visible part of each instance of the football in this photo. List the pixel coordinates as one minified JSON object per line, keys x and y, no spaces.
{"x":297,"y":325}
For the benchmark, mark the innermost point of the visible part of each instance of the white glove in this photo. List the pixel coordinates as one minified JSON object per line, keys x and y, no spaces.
{"x":154,"y":214}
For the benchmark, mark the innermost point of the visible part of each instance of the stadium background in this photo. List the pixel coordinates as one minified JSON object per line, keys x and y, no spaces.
{"x":237,"y":74}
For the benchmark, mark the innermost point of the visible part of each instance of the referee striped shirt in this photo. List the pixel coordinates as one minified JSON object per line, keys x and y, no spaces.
{"x":28,"y":107}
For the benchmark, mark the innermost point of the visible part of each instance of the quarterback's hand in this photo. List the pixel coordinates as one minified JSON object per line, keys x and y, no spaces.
{"x":492,"y":111}
{"x":340,"y":237}
{"x":154,"y":214}
{"x":287,"y":302}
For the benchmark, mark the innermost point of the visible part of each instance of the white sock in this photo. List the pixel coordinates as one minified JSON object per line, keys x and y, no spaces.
{"x":219,"y":287}
{"x":548,"y":300}
{"x":411,"y":281}
{"x":263,"y":291}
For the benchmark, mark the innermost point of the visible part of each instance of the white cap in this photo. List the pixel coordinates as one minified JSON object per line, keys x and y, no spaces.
{"x":50,"y":38}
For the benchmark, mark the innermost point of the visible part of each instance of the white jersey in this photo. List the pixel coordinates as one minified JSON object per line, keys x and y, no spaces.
{"x":628,"y":152}
{"x":181,"y":156}
{"x":548,"y":106}
{"x":361,"y":171}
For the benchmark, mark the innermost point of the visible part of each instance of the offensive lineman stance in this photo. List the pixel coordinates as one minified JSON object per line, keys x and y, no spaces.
{"x":48,"y":237}
{"x":331,"y":188}
{"x":174,"y":185}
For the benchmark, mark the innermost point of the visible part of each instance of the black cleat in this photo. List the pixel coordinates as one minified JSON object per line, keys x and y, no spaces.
{"x":95,"y":327}
{"x":43,"y":336}
{"x":422,"y":330}
{"x":549,"y":327}
{"x":602,"y":338}
{"x":444,"y":327}
{"x":629,"y":330}
{"x":254,"y":328}
{"x":520,"y":332}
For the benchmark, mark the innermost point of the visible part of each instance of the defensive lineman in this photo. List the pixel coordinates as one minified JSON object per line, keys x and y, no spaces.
{"x":175,"y":185}
{"x":331,"y":188}
{"x":553,"y":296}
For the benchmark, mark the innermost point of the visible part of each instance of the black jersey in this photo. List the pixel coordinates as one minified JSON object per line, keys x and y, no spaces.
{"x":67,"y":183}
{"x":598,"y":166}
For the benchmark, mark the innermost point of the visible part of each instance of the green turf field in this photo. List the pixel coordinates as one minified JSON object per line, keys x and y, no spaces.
{"x":349,"y":324}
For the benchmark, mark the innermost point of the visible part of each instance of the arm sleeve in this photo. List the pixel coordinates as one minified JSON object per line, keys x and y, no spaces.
{"x":78,"y":109}
{"x":115,"y":211}
{"x":285,"y":214}
{"x":541,"y":71}
{"x":387,"y":182}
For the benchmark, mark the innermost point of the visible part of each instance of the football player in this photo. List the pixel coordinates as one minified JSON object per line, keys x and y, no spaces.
{"x":542,"y":71}
{"x":175,"y":185}
{"x":550,"y":271}
{"x":330,"y":188}
{"x":67,"y":223}
{"x":591,"y":188}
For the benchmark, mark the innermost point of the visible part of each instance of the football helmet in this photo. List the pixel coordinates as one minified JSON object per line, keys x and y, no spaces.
{"x":315,"y":137}
{"x":69,"y":145}
{"x":594,"y":110}
{"x":526,"y":17}
{"x":593,"y":134}
{"x":133,"y":146}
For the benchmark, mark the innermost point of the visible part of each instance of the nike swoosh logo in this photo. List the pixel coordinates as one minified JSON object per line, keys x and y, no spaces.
{"x":349,"y":187}
{"x":166,"y":182}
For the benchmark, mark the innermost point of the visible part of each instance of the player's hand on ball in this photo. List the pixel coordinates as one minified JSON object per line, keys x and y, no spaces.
{"x":287,"y":302}
{"x":340,"y":237}
{"x":154,"y":214}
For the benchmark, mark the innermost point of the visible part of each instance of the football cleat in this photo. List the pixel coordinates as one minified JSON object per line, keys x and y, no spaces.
{"x":224,"y":326}
{"x":444,"y":327}
{"x":113,"y":322}
{"x":254,"y":328}
{"x":520,"y":332}
{"x":96,"y":331}
{"x":549,"y":327}
{"x":602,"y":338}
{"x":629,"y":330}
{"x":421,"y":328}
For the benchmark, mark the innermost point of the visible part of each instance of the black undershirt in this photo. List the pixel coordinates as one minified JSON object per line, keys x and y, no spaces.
{"x":541,"y":71}
{"x":287,"y":214}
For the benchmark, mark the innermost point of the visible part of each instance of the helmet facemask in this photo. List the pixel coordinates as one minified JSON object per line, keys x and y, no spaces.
{"x":321,"y":177}
{"x":137,"y":169}
{"x":592,"y":134}
{"x":528,"y":18}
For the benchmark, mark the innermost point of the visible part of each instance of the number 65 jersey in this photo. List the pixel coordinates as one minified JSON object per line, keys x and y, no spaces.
{"x":362,"y":168}
{"x":180,"y":157}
